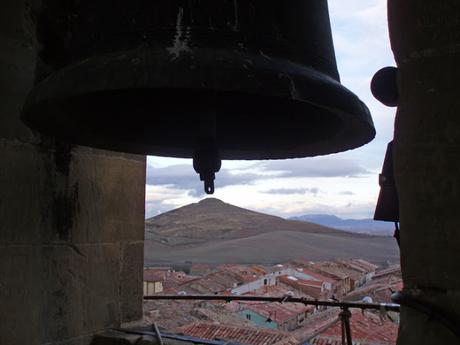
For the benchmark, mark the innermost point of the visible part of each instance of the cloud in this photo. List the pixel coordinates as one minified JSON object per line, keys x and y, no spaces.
{"x":356,"y":210}
{"x":290,"y":191}
{"x":362,"y":46}
{"x":183,"y":177}
{"x":347,"y":192}
{"x":311,"y":167}
{"x":159,"y":199}
{"x":156,"y":207}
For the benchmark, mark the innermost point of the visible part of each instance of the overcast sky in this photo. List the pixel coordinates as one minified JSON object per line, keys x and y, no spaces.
{"x":344,"y":184}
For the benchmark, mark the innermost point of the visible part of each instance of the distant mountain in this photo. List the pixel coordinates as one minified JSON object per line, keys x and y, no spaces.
{"x":211,"y":218}
{"x":212,"y":231}
{"x":362,"y":226}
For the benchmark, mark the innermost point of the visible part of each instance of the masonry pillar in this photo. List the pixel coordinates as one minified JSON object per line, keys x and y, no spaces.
{"x":425,"y":37}
{"x":71,"y":218}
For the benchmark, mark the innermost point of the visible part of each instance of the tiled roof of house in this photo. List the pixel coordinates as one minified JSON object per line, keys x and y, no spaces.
{"x":316,"y":323}
{"x":278,"y":267}
{"x":245,"y":270}
{"x":366,"y":329}
{"x":216,"y":282}
{"x":277,"y":291}
{"x":201,"y":268}
{"x":312,"y":288}
{"x":299,"y":282}
{"x":369,"y":267}
{"x":278,"y":312}
{"x":171,"y":315}
{"x":350,"y":271}
{"x":325,"y":341}
{"x":169,"y":279}
{"x":331,"y":269}
{"x":203,"y":286}
{"x":394,"y":270}
{"x":245,"y":274}
{"x":359,"y":265}
{"x":243,"y":335}
{"x":379,"y":289}
{"x":262,"y":270}
{"x":154,"y":275}
{"x":316,"y":275}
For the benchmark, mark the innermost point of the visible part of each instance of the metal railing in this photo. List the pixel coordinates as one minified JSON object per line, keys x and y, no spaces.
{"x":344,"y":316}
{"x":285,"y":299}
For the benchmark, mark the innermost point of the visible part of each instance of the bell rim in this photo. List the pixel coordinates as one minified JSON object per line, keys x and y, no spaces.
{"x":289,"y":81}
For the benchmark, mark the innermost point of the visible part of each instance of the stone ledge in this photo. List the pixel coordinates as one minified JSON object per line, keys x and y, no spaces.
{"x":114,"y":337}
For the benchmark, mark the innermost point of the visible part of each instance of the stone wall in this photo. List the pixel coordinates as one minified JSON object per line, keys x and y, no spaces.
{"x":425,"y":37}
{"x":71,"y":218}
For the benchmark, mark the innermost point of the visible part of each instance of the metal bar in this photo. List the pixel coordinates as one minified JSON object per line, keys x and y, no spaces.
{"x":358,"y":305}
{"x":343,"y":331}
{"x":158,"y":334}
{"x":345,"y":316}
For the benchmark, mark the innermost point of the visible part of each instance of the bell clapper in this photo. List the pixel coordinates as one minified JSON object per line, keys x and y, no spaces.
{"x":206,"y":159}
{"x":206,"y":162}
{"x":209,"y":186}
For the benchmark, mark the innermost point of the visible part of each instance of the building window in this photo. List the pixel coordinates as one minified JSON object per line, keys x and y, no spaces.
{"x":265,"y":282}
{"x":248,"y":316}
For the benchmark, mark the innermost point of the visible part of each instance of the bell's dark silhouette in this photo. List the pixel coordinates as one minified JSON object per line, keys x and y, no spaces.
{"x":253,"y":79}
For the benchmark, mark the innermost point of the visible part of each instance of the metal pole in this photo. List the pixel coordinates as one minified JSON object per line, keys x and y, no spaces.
{"x":345,"y":316}
{"x":305,"y":301}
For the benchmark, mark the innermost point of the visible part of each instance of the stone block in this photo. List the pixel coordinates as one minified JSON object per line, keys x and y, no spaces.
{"x":131,"y":281}
{"x":421,"y":27}
{"x":20,"y":295}
{"x":58,"y":292}
{"x":23,"y":195}
{"x":65,"y":215}
{"x":100,"y":198}
{"x":111,"y":196}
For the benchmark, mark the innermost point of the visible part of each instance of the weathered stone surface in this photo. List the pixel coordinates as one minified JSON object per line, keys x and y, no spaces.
{"x":67,"y":214}
{"x":17,"y":68}
{"x":116,"y":338}
{"x":59,"y":287}
{"x":101,"y":208}
{"x":149,"y":340}
{"x":420,"y":28}
{"x":107,"y":210}
{"x":120,"y":338}
{"x":22,"y":194}
{"x":131,"y":281}
{"x":59,"y":291}
{"x":81,"y":340}
{"x":425,"y":37}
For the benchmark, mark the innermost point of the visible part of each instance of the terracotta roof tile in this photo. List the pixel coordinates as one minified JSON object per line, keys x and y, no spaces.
{"x":244,"y":335}
{"x":316,"y":275}
{"x":394,"y":270}
{"x":366,"y":328}
{"x":277,"y":311}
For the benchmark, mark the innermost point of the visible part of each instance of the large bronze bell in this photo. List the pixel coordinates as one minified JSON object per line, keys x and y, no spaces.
{"x":208,"y":79}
